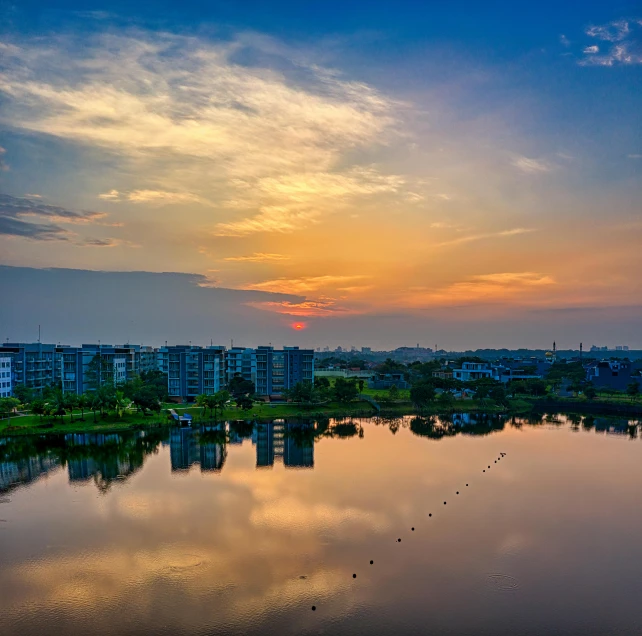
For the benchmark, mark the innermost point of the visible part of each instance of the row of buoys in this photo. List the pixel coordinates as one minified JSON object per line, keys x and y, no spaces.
{"x":354,"y":576}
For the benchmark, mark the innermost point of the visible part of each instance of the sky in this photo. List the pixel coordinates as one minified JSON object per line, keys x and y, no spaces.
{"x":380,"y":174}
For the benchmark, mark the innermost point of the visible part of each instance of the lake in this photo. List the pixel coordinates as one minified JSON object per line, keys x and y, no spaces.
{"x":521,"y":526}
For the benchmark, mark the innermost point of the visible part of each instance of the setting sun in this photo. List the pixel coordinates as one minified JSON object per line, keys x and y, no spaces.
{"x":298,"y":326}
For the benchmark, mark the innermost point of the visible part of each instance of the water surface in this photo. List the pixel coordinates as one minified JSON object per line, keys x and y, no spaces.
{"x":241,"y":529}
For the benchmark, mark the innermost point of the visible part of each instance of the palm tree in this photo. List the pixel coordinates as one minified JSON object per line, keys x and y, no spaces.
{"x":71,"y":399}
{"x":121,"y":403}
{"x":38,"y":407}
{"x":95,"y":403}
{"x":201,"y":401}
{"x":82,"y":402}
{"x":58,"y":403}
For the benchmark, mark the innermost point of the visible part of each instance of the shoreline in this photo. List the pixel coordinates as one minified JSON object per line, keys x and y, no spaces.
{"x":29,"y":425}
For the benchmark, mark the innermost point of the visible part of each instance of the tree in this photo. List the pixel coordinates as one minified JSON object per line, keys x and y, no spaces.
{"x":82,"y":402}
{"x":345,"y":391}
{"x":38,"y":407}
{"x":202,"y":402}
{"x":633,"y":390}
{"x":244,"y":402}
{"x":361,"y":384}
{"x":7,"y":406}
{"x":590,"y":392}
{"x":304,"y":393}
{"x":157,"y":380}
{"x":95,"y":402}
{"x":70,"y":401}
{"x":446,"y":399}
{"x":240,"y":386}
{"x":23,"y":393}
{"x":498,"y":395}
{"x":146,"y":399}
{"x":57,"y":404}
{"x":217,"y":401}
{"x":393,"y":393}
{"x":322,"y":383}
{"x":421,"y":394}
{"x":121,"y":403}
{"x":99,"y":373}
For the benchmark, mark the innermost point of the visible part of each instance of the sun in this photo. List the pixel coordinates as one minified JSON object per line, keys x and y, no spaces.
{"x":298,"y":326}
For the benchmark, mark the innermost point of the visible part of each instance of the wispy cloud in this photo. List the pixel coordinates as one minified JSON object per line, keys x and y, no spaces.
{"x":16,"y":214}
{"x":3,"y":165}
{"x":308,"y":308}
{"x":623,"y":44}
{"x":493,"y":287}
{"x":479,"y":237}
{"x":528,"y":165}
{"x":303,"y":285}
{"x":634,"y":156}
{"x":258,"y":257}
{"x":276,"y":137}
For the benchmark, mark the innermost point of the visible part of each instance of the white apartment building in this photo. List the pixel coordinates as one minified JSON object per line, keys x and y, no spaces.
{"x":6,"y":388}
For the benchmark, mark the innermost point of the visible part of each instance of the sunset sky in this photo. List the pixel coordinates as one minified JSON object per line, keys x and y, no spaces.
{"x":462,"y":174}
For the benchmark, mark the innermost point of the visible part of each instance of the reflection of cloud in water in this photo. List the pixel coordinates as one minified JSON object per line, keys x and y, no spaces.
{"x":293,"y":513}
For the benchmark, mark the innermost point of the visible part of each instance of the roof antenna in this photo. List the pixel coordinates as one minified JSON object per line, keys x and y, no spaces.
{"x":38,"y":333}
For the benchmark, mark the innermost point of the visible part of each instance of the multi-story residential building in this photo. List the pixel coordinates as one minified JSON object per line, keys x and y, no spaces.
{"x":240,"y":362}
{"x":473,"y":371}
{"x":192,"y":370}
{"x":32,"y":364}
{"x":612,"y":374}
{"x":278,"y":370}
{"x":118,"y":364}
{"x":6,"y":389}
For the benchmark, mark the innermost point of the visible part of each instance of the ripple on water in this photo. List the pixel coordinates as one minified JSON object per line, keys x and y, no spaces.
{"x":502,"y":583}
{"x":181,"y":564}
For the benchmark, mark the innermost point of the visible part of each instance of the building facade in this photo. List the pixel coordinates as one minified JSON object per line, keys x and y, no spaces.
{"x":6,"y":388}
{"x":192,"y":370}
{"x":240,"y":362}
{"x":32,"y":364}
{"x":280,"y":369}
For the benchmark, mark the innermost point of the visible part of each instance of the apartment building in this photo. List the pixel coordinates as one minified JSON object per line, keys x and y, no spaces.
{"x":6,"y":388}
{"x":32,"y":364}
{"x":280,"y":369}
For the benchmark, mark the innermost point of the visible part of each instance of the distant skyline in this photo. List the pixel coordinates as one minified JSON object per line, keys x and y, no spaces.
{"x":377,"y":174}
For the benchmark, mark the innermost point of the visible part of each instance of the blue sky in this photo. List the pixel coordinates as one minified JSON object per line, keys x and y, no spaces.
{"x":379,"y":163}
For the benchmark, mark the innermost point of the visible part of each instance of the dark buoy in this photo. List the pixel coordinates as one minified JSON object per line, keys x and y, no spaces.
{"x":458,"y":492}
{"x":444,"y":503}
{"x":314,"y":608}
{"x":430,"y":514}
{"x":398,"y":540}
{"x":489,"y":467}
{"x":412,"y":529}
{"x":371,"y":562}
{"x":354,"y":576}
{"x":466,"y":485}
{"x":483,"y":471}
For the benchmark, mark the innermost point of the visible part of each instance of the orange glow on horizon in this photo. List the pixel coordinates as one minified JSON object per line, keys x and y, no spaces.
{"x":298,"y":326}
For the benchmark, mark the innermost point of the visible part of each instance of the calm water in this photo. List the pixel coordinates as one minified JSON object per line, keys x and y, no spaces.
{"x":242,"y":531}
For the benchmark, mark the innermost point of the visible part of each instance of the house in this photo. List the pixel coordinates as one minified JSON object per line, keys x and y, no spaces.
{"x":473,"y":371}
{"x":612,"y":374}
{"x":383,"y":381}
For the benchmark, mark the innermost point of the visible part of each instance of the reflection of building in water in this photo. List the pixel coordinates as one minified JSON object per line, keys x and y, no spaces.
{"x":276,"y":442}
{"x":212,"y":456}
{"x":183,"y":448}
{"x":24,"y":471}
{"x":107,"y":458}
{"x":187,"y":448}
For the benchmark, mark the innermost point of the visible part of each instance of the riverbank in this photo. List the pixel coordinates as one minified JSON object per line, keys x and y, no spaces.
{"x":79,"y":423}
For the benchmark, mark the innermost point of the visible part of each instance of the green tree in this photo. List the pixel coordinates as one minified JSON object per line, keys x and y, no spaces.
{"x":633,"y":390}
{"x":202,"y":402}
{"x":239,"y":386}
{"x":70,"y":400}
{"x":446,"y":399}
{"x":217,"y":401}
{"x":590,"y":392}
{"x":58,"y":403}
{"x":99,"y":373}
{"x":7,"y":406}
{"x":23,"y":393}
{"x":393,"y":393}
{"x":82,"y":402}
{"x":345,"y":391}
{"x":244,"y":402}
{"x":157,"y":380}
{"x":95,"y":402}
{"x":422,"y":394}
{"x":361,"y":384}
{"x":38,"y":407}
{"x":121,"y":403}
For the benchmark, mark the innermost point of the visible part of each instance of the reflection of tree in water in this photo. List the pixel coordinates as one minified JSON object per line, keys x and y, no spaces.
{"x":431,"y":427}
{"x":99,"y":457}
{"x":214,"y":435}
{"x":241,"y":429}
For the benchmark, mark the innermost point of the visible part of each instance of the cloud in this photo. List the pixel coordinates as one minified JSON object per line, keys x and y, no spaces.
{"x":531,"y":166}
{"x":483,"y":287}
{"x":634,"y":156}
{"x":274,"y":140}
{"x":158,"y":197}
{"x":304,"y":284}
{"x":319,"y":307}
{"x":15,"y":212}
{"x":290,"y":202}
{"x":258,"y":257}
{"x":564,"y":41}
{"x":3,"y":165}
{"x":478,"y":237}
{"x":624,"y":44}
